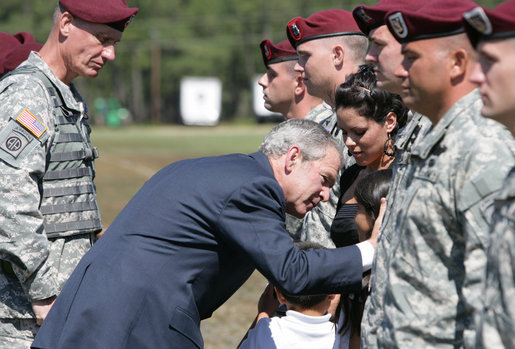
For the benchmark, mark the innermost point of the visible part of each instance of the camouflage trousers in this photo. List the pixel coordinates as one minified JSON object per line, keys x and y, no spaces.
{"x":17,"y":322}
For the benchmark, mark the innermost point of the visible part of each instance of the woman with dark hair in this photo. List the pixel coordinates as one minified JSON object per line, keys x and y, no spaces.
{"x":369,"y":119}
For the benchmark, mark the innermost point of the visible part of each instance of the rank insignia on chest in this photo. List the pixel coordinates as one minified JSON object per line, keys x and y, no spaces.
{"x":31,"y":123}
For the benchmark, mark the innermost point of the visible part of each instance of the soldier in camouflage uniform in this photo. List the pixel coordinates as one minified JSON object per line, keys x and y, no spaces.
{"x":492,"y":32}
{"x":496,"y":327}
{"x":438,"y":254}
{"x":317,"y":223}
{"x":285,"y":92}
{"x":48,"y":211}
{"x":316,"y":38}
{"x":385,"y":55}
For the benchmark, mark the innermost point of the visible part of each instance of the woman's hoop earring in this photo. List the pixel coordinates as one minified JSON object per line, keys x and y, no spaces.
{"x":389,"y":144}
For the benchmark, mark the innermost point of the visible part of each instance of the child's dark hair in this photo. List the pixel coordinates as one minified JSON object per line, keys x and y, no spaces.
{"x":360,"y":92}
{"x":306,"y":302}
{"x":368,"y":193}
{"x":371,"y":188}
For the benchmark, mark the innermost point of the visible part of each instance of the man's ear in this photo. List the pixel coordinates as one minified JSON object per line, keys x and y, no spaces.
{"x":293,"y":159}
{"x":338,"y":55}
{"x":300,"y":87}
{"x":65,"y":22}
{"x":459,"y":61}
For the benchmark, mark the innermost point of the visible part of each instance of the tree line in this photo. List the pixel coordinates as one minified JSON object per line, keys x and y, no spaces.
{"x":170,"y":39}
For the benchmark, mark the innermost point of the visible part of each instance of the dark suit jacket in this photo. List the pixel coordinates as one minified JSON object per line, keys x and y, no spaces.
{"x":182,"y":246}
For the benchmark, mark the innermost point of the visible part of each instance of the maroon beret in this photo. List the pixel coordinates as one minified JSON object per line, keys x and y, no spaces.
{"x":482,"y":24}
{"x":371,"y":17}
{"x":277,"y":53}
{"x":320,"y":25}
{"x":17,"y":55}
{"x":438,"y":18}
{"x":24,"y":37}
{"x":8,"y":41}
{"x":114,"y":13}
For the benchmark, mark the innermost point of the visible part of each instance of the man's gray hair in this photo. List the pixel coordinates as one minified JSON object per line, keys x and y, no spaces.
{"x":312,"y":139}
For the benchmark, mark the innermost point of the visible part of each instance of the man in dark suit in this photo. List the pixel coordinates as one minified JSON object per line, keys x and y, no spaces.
{"x":193,"y":235}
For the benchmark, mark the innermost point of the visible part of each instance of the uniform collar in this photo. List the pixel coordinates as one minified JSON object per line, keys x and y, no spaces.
{"x":71,"y":97}
{"x":320,"y":112}
{"x":405,"y":134}
{"x":437,"y":133}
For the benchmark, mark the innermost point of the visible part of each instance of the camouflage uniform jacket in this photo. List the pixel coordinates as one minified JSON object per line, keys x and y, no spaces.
{"x":438,"y":253}
{"x":39,"y":266}
{"x":409,"y":136}
{"x":316,"y":224}
{"x":497,"y":325}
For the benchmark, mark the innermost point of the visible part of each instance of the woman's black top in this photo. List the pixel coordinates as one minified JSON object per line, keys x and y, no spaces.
{"x":343,"y":229}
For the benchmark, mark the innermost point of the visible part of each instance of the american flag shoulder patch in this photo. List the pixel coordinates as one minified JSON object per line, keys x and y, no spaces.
{"x":31,"y":123}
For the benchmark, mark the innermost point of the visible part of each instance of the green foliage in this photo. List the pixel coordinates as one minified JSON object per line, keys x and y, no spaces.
{"x":181,"y":38}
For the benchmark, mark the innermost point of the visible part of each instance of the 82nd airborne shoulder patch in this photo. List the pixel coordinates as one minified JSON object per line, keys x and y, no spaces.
{"x":15,"y":141}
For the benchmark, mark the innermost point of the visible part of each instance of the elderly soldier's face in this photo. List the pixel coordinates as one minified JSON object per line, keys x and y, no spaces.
{"x":91,"y":45}
{"x":310,"y":182}
{"x":278,"y":84}
{"x":495,"y":72}
{"x":385,"y":54}
{"x":424,"y":75}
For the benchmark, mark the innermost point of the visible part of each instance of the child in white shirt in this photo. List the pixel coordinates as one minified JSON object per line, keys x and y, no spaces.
{"x":306,"y":324}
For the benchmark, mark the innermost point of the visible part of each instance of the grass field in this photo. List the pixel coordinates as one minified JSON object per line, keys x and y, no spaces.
{"x":129,"y":156}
